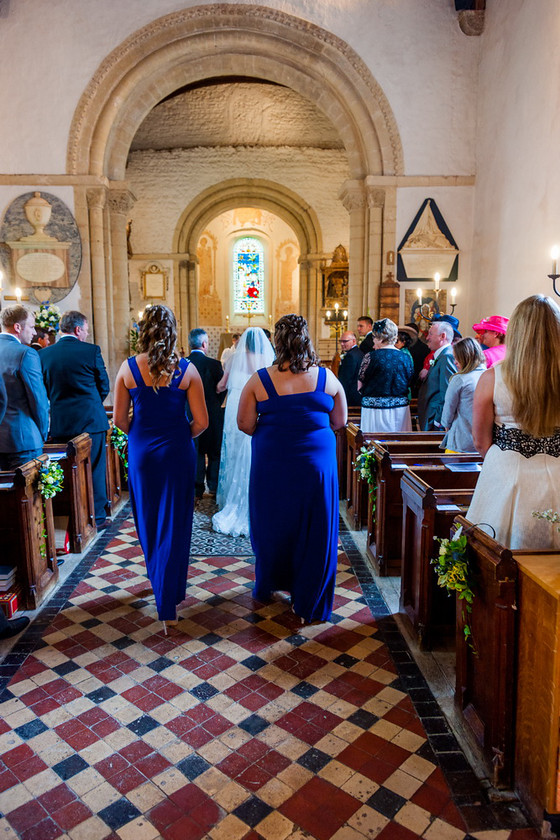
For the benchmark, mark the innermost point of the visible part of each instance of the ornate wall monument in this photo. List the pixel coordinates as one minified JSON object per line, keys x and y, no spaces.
{"x":248,"y":41}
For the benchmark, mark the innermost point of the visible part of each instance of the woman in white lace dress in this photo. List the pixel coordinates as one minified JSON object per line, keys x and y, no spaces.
{"x":516,"y":427}
{"x":254,"y":351}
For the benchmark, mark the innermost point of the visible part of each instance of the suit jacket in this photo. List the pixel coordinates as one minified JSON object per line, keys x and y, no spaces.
{"x":432,"y":391}
{"x":366,"y":346}
{"x":26,"y":416}
{"x":348,"y":375}
{"x":77,"y":383}
{"x":211,"y":371}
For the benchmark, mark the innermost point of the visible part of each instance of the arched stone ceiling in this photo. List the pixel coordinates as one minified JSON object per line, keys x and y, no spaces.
{"x":235,"y":113}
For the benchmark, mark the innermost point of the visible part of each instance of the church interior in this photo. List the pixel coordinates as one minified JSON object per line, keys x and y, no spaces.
{"x":388,"y":158}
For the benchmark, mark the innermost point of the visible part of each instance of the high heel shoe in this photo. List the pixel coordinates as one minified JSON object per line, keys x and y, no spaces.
{"x":169,"y":623}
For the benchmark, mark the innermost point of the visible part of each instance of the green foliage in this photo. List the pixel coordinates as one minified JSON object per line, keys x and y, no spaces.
{"x":454,"y":574}
{"x":120,"y":441}
{"x":48,"y":317}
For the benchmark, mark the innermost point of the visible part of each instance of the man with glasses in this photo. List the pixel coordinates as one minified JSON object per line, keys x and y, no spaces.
{"x":349,"y":368}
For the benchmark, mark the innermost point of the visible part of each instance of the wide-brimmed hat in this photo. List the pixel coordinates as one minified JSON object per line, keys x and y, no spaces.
{"x":411,"y":332}
{"x":495,"y":323}
{"x":450,"y":319}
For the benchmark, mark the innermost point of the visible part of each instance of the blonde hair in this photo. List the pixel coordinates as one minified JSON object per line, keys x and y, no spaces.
{"x":531,"y":368}
{"x":385,"y":330}
{"x":468,"y":353}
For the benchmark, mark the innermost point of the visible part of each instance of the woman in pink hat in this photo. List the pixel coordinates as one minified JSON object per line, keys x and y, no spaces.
{"x":492,"y":333}
{"x":516,"y":428}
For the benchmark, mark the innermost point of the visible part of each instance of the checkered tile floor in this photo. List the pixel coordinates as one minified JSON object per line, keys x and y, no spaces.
{"x":239,"y":725}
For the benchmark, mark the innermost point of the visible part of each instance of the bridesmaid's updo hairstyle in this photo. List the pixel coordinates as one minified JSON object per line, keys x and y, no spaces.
{"x":158,"y":338}
{"x":294,"y":349}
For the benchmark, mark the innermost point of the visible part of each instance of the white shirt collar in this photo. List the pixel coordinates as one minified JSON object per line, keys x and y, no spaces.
{"x":439,"y":351}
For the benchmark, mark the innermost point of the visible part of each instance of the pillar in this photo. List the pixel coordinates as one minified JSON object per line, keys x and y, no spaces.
{"x":120,"y":203}
{"x":96,"y":199}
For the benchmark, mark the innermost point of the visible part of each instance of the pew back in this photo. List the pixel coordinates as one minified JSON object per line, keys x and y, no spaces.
{"x":76,"y":499}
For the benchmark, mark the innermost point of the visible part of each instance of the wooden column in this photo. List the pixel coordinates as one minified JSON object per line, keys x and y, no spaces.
{"x":120,"y":203}
{"x":96,"y":199}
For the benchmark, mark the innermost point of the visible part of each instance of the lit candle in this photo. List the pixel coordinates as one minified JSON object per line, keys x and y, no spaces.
{"x":18,"y":294}
{"x":419,"y":295}
{"x":345,"y":313}
{"x":555,"y":250}
{"x":140,"y":313}
{"x":453,"y":295}
{"x":436,"y":281}
{"x":328,"y":314}
{"x":270,"y":320}
{"x":336,"y":307}
{"x":227,"y":323}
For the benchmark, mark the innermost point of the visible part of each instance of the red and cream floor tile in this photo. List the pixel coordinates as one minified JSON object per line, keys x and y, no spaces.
{"x":238,"y":725}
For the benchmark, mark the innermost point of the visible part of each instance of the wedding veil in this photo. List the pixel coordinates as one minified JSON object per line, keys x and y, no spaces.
{"x":253,"y":351}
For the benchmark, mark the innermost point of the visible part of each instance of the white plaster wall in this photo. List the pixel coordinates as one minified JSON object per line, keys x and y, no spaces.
{"x":517,"y":207}
{"x":50,"y":50}
{"x":165,"y":183}
{"x":456,"y":205}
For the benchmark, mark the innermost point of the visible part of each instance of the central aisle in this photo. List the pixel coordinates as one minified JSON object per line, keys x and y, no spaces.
{"x":236,"y":726}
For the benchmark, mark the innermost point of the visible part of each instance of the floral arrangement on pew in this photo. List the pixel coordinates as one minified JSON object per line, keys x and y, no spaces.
{"x":51,"y":479}
{"x":133,"y":334}
{"x":48,"y":317}
{"x":366,"y":465}
{"x":551,"y":516}
{"x":454,"y":574}
{"x":119,"y":440}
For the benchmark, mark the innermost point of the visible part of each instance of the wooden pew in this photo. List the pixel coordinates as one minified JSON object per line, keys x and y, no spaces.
{"x":432,"y":498}
{"x":537,"y":738}
{"x":341,"y":450}
{"x":357,"y":488}
{"x":27,"y":533}
{"x":76,"y":499}
{"x":484,"y":689}
{"x":384,"y":539}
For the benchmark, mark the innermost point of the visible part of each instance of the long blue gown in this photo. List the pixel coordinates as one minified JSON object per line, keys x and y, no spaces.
{"x":293,"y":499}
{"x":161,"y":466}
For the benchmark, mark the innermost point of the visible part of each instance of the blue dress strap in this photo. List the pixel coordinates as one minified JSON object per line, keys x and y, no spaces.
{"x":177,"y":377}
{"x":133,"y":365}
{"x":264,"y":376}
{"x":321,"y":379}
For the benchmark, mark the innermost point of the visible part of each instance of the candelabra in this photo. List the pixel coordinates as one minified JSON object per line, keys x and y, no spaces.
{"x":336,"y":319}
{"x":554,"y":276}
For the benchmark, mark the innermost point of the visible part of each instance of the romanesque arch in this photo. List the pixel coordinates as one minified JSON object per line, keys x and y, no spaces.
{"x":221,"y":41}
{"x":244,"y":192}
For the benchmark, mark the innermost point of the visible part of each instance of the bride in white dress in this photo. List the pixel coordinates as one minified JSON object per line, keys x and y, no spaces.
{"x":254,"y":351}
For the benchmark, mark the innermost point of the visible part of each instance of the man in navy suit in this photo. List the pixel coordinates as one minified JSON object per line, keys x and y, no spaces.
{"x":364,"y":325}
{"x":25,"y":422}
{"x":77,"y":383}
{"x":209,"y":443}
{"x":432,"y":391}
{"x":349,"y":368}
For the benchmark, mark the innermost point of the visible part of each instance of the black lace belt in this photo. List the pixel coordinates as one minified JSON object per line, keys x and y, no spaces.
{"x":384,"y":402}
{"x":519,"y":441}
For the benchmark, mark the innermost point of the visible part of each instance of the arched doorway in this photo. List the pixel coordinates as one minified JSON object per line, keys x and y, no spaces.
{"x":213,"y":41}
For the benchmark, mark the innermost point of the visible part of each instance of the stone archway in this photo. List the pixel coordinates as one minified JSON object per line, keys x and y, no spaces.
{"x":258,"y":193}
{"x":220,"y":41}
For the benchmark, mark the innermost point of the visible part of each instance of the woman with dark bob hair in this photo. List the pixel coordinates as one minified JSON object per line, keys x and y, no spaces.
{"x":161,"y":458}
{"x":291,"y":410}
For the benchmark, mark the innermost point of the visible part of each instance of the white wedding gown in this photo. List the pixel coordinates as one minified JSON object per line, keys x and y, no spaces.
{"x":235,"y":459}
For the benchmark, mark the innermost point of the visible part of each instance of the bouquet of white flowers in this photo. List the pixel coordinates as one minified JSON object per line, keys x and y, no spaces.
{"x":48,"y":317}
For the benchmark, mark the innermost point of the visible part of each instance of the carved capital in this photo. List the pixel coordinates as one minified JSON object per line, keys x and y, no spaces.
{"x":96,"y":198}
{"x":471,"y":21}
{"x":121,"y":201}
{"x":352,"y":195}
{"x":375,"y":197}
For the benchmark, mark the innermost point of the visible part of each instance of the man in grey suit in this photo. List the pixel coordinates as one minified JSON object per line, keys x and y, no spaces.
{"x":25,"y":424}
{"x":432,"y":391}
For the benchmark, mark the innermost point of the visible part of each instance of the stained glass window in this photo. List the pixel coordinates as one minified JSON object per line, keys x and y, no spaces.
{"x":248,"y":275}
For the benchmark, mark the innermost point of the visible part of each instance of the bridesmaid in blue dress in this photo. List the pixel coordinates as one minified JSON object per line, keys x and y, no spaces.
{"x":292,"y":409}
{"x":161,"y":457}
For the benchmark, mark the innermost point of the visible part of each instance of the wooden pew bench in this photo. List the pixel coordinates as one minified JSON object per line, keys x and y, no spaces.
{"x":27,"y":534}
{"x":384,"y":539}
{"x":76,"y":499}
{"x":432,"y":498}
{"x":357,"y":488}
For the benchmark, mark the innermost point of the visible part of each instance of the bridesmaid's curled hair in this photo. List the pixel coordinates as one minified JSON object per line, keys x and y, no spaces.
{"x":158,"y":338}
{"x":294,"y":349}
